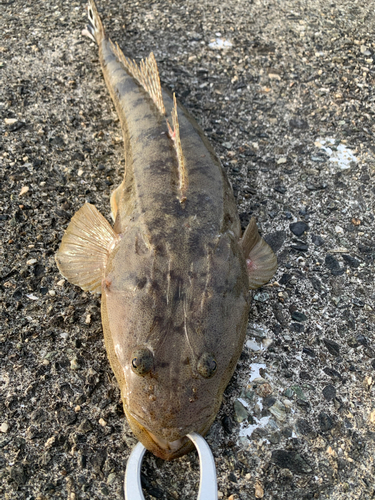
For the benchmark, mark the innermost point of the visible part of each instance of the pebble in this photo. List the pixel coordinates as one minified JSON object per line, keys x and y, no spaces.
{"x":258,"y":490}
{"x":326,"y":422}
{"x":4,"y":427}
{"x":285,"y":278}
{"x":254,"y":346}
{"x":369,"y":352}
{"x":304,"y":375}
{"x":85,"y":426}
{"x":317,"y":240}
{"x":264,"y":390}
{"x":258,"y":331}
{"x":298,"y":228}
{"x":10,"y":121}
{"x":310,"y":352}
{"x":288,"y":393}
{"x":240,"y":412}
{"x":50,"y":442}
{"x":291,"y":460}
{"x":67,"y":416}
{"x":261,"y":296}
{"x":365,"y":51}
{"x":298,"y":392}
{"x":300,"y":247}
{"x":279,"y":411}
{"x":333,"y":265}
{"x":267,"y":343}
{"x":268,"y":402}
{"x":319,"y":159}
{"x":298,"y":123}
{"x":329,"y":392}
{"x":331,"y":372}
{"x":304,"y":427}
{"x":247,"y":394}
{"x":361,"y":339}
{"x":31,"y":296}
{"x":227,"y":423}
{"x":258,"y":381}
{"x":31,"y":262}
{"x":24,"y":190}
{"x":298,"y":316}
{"x":332,"y":346}
{"x":275,"y":240}
{"x":18,"y":474}
{"x":351,"y":261}
{"x":111,"y":478}
{"x":358,"y":302}
{"x":74,"y":365}
{"x":297,"y":327}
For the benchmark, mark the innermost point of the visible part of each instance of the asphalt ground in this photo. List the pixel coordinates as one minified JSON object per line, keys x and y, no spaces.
{"x":284,"y":92}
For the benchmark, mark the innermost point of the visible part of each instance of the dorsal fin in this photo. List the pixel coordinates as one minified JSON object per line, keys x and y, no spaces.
{"x":146,"y":74}
{"x":175,"y":136}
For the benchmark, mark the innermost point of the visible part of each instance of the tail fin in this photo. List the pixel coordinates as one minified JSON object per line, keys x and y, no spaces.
{"x":94,"y":29}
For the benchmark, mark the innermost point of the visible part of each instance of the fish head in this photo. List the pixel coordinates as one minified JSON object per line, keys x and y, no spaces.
{"x":174,"y":333}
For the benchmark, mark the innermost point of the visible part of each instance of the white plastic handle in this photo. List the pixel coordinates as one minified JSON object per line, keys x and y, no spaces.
{"x":207,"y":483}
{"x":132,"y":484}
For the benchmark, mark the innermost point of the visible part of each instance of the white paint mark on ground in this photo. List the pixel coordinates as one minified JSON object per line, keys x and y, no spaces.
{"x":339,"y":153}
{"x":255,"y":367}
{"x":247,"y":429}
{"x":220,"y":43}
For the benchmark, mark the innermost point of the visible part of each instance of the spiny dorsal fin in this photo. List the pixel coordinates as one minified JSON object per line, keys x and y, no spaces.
{"x":261,"y":262}
{"x":85,"y":248}
{"x":175,"y":136}
{"x":146,"y":73}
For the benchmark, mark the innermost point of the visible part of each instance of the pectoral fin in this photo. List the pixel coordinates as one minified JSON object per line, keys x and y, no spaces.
{"x":85,"y":247}
{"x":260,"y":260}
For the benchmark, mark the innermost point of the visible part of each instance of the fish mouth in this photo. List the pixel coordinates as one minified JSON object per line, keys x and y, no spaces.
{"x":171,"y":449}
{"x":162,"y":447}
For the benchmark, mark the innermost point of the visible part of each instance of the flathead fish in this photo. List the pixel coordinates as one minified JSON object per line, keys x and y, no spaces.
{"x":174,"y":271}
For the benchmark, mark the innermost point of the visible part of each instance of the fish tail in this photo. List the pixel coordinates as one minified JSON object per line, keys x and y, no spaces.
{"x":94,"y":29}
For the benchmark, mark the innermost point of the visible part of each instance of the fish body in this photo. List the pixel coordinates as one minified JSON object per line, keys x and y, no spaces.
{"x":174,"y":271}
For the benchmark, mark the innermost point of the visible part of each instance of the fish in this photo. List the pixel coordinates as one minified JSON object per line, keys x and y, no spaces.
{"x":174,"y":271}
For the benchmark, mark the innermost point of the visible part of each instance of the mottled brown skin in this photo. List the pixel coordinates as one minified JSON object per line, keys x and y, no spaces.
{"x":174,"y":272}
{"x":176,"y":283}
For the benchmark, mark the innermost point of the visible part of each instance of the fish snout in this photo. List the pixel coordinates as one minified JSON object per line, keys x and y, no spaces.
{"x":167,"y":443}
{"x":164,"y":439}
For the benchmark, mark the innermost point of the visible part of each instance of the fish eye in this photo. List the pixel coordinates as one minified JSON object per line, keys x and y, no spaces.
{"x":142,"y":361}
{"x":207,"y":365}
